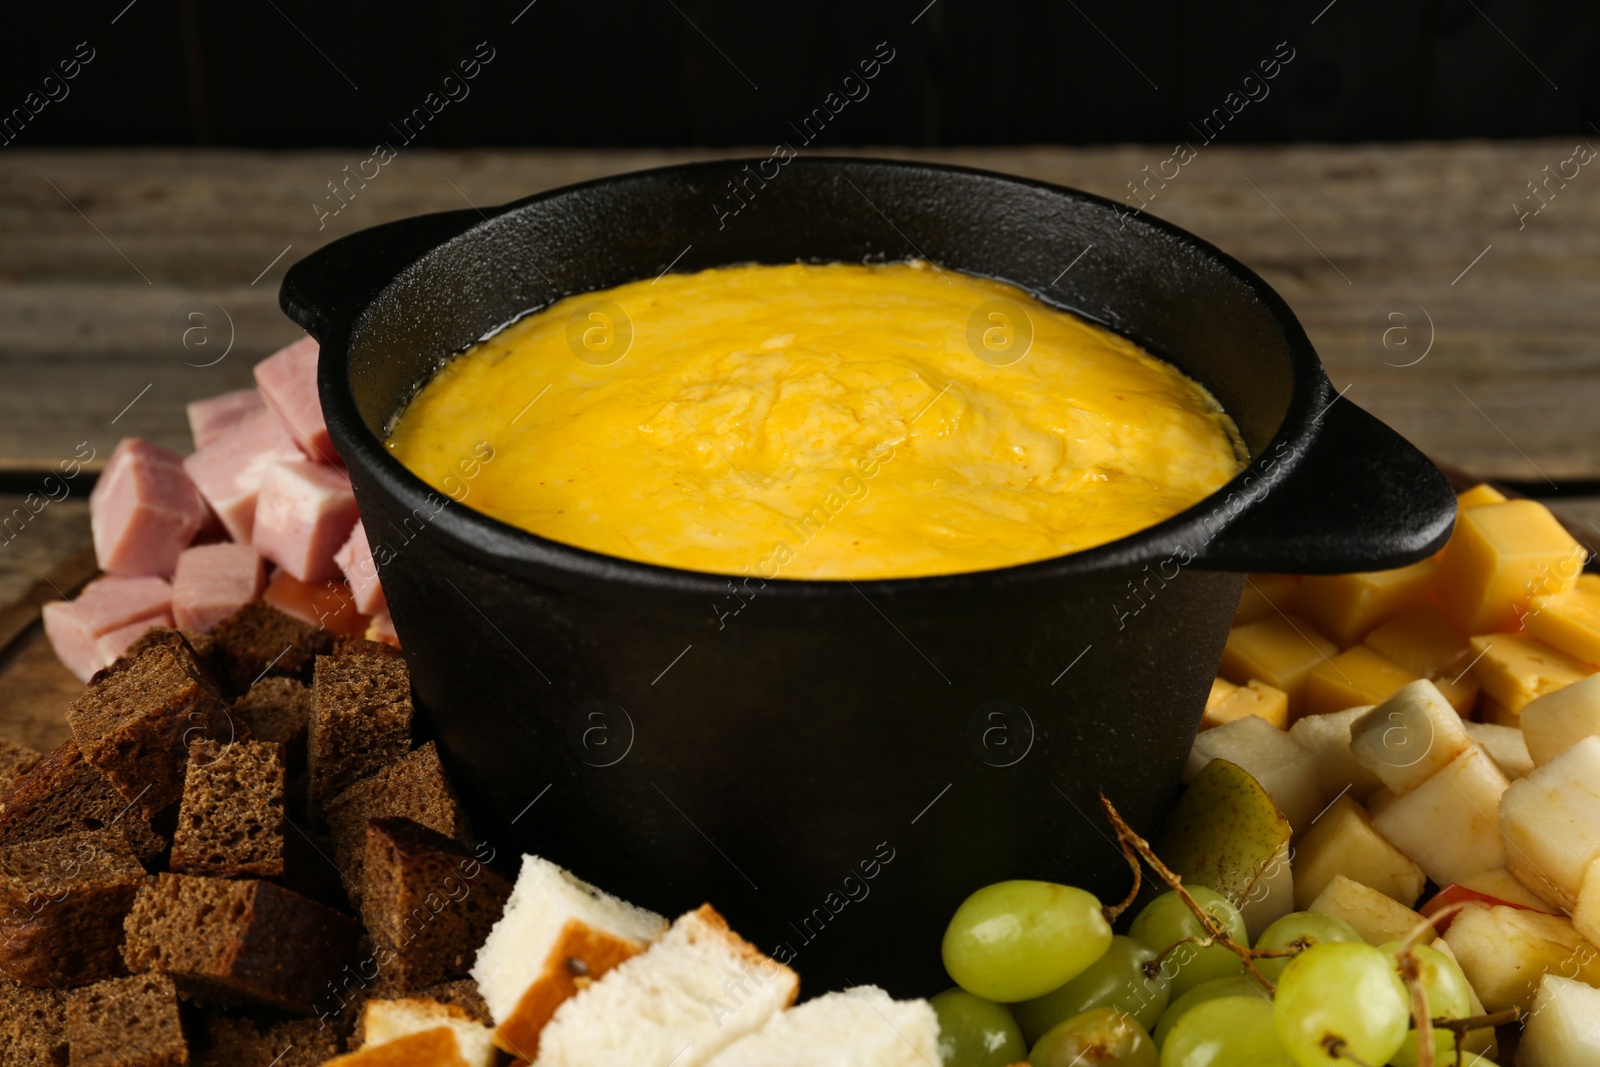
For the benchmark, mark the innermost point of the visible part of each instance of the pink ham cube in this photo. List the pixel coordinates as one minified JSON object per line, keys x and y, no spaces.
{"x":211,"y":417}
{"x":228,"y":470}
{"x":91,"y":631}
{"x":214,"y":581}
{"x":382,"y":629}
{"x":360,"y":573}
{"x":288,"y":381}
{"x":305,"y":513}
{"x":144,"y":510}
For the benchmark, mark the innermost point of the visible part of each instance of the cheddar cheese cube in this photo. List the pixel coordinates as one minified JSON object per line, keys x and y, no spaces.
{"x":1479,"y":495}
{"x":1346,"y":606}
{"x":1254,"y":698}
{"x":1354,"y":677}
{"x":1569,"y":622}
{"x":1425,"y":642}
{"x":1279,"y":651}
{"x":1500,"y":558}
{"x":1265,"y":594}
{"x":1515,"y":668}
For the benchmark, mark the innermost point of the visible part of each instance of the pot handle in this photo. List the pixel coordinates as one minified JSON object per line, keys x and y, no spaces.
{"x":1360,"y":498}
{"x":329,"y":288}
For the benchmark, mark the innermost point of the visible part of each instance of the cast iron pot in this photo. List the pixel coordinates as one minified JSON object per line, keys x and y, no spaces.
{"x":836,"y":765}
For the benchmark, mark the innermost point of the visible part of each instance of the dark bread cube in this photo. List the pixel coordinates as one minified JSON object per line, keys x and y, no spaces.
{"x":63,"y":794}
{"x":414,"y":788}
{"x":62,"y":904}
{"x":426,"y":901}
{"x":241,"y":1042}
{"x":136,"y":726}
{"x":33,"y":1027}
{"x":126,"y":1022}
{"x":195,"y":648}
{"x":259,"y":640}
{"x":345,"y":645}
{"x":245,"y":941}
{"x":15,"y":761}
{"x":277,"y":709}
{"x":231,"y":822}
{"x":360,"y":721}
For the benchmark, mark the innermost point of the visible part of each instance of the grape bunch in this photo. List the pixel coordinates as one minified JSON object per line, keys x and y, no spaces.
{"x":1041,"y":978}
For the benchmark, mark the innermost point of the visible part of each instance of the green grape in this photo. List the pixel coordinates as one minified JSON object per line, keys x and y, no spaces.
{"x":1018,"y":940}
{"x":1226,"y":1032}
{"x":1116,"y":980}
{"x":1449,"y":997}
{"x":1099,"y":1036}
{"x":1301,"y":930}
{"x":974,"y":1032}
{"x":1167,"y":920}
{"x":1337,"y":997}
{"x":1240,"y":985}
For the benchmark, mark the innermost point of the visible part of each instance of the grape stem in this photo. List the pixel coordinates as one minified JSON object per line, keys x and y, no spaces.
{"x":1113,"y":912}
{"x":1336,"y":1049}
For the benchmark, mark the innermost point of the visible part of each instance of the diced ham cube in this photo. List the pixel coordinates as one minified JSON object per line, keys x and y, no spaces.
{"x":305,"y":512}
{"x":211,"y":417}
{"x":85,"y":632}
{"x":326,"y":605}
{"x":360,"y":573}
{"x":228,"y":470}
{"x":143,"y":511}
{"x":214,"y":581}
{"x":288,"y":381}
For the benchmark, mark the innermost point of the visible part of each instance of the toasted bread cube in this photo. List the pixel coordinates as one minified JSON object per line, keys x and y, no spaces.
{"x":1284,"y":769}
{"x":1551,"y":823}
{"x":1265,"y":594}
{"x":1504,"y":952}
{"x":1342,"y":841}
{"x":1354,"y":677}
{"x":1279,"y":650}
{"x":1450,"y":824}
{"x":1327,"y":738}
{"x":1425,"y":642}
{"x":1346,"y":606}
{"x":1255,"y":698}
{"x":1501,"y":557}
{"x":1568,"y":622}
{"x":1409,"y":737}
{"x":1515,"y":669}
{"x":1555,"y":722}
{"x":1376,"y":917}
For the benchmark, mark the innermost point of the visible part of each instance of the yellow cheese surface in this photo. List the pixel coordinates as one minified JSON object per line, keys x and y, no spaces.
{"x":1280,"y":651}
{"x":1354,"y":677}
{"x":1500,"y":557}
{"x":1425,"y":642}
{"x":1346,"y":606}
{"x":1229,"y":702}
{"x":1515,"y":668}
{"x":1568,"y":621}
{"x":818,"y":421}
{"x":1265,"y":594}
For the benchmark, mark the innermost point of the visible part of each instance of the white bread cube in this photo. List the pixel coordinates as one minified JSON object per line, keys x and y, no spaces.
{"x":1551,"y":822}
{"x":860,"y":1027}
{"x":1376,"y":917}
{"x":386,"y":1021}
{"x":1342,"y":841}
{"x":1505,"y":745}
{"x":1410,"y":737}
{"x":1563,"y":1028}
{"x":1555,"y":722}
{"x":1505,"y":951}
{"x":691,"y":995}
{"x":1285,"y":770}
{"x":556,"y":934}
{"x":1450,"y":824}
{"x":1327,"y":738}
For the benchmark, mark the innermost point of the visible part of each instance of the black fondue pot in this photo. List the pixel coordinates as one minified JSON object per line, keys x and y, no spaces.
{"x":835,"y":765}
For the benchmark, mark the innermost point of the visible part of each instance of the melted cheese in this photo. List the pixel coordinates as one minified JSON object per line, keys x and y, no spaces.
{"x":806,"y":421}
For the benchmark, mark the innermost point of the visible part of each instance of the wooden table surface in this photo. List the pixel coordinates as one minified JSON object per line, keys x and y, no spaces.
{"x":106,"y":257}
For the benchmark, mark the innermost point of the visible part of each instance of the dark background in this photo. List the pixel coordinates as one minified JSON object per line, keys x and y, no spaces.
{"x":277,"y":73}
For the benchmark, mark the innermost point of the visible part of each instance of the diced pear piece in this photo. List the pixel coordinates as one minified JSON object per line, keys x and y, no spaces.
{"x":1515,"y":669}
{"x":1505,"y":951}
{"x":1224,"y":832}
{"x":1409,"y":738}
{"x":1563,"y":1027}
{"x":1586,"y":915}
{"x":1505,"y":745}
{"x":1503,"y":885}
{"x":1376,"y":917}
{"x":1342,"y":841}
{"x":1479,"y":1042}
{"x":1271,"y":756}
{"x":1263,"y":595}
{"x":1327,"y":738}
{"x":1450,"y":824}
{"x":1499,"y":558}
{"x":1556,"y":721}
{"x":1279,"y":650}
{"x":1356,"y":676}
{"x":1551,"y":822}
{"x":1380,"y":800}
{"x":1346,"y":606}
{"x":1425,"y":642}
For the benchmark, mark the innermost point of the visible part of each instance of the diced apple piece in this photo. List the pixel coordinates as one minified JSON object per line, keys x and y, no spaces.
{"x":1479,"y":495}
{"x":1327,"y":738}
{"x":1425,"y":642}
{"x":1515,"y":669}
{"x":1450,"y":824}
{"x":1256,"y":698}
{"x":1499,"y":558}
{"x":1284,"y":769}
{"x":1569,"y":622}
{"x":1586,"y":914}
{"x":1342,"y":841}
{"x":1563,"y":1027}
{"x":1505,"y":951}
{"x":1346,"y":606}
{"x":1265,"y":594}
{"x":1279,"y":650}
{"x":1376,"y":917}
{"x":1555,"y":722}
{"x":1505,"y":745}
{"x":1355,"y":677}
{"x":1408,"y":738}
{"x":1551,"y":822}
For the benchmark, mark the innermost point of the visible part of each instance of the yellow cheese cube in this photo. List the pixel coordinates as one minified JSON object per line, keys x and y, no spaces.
{"x":1256,"y":698}
{"x":1590,"y":582}
{"x":1501,"y":557}
{"x":1279,"y":651}
{"x":1346,"y":606}
{"x":1478,"y":495}
{"x":1425,"y":642}
{"x":1569,"y":622}
{"x":1514,"y":668}
{"x":1221,"y":688}
{"x":1354,"y":677}
{"x":1265,"y":594}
